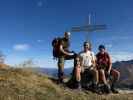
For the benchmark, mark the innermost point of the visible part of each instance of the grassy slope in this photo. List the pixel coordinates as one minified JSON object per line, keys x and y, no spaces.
{"x":23,"y":84}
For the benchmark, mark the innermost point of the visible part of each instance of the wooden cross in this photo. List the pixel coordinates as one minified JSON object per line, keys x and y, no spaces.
{"x":88,"y":28}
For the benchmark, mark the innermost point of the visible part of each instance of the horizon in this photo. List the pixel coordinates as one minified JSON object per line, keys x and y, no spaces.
{"x":29,"y":26}
{"x":72,"y":66}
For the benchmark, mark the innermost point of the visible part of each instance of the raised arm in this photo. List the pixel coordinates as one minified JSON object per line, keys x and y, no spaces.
{"x":63,"y":51}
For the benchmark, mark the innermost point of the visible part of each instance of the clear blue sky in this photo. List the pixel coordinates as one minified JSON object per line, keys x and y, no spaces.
{"x":27,"y":27}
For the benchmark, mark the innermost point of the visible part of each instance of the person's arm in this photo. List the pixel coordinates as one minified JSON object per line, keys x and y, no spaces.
{"x":96,"y":62}
{"x":63,"y":51}
{"x":93,"y":60}
{"x":82,"y":67}
{"x":110,"y":64}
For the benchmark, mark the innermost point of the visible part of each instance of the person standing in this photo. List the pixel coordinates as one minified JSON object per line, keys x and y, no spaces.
{"x":64,"y":54}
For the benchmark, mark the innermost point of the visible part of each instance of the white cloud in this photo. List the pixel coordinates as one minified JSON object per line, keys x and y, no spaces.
{"x":122,"y":37}
{"x":40,"y":41}
{"x":21,"y":47}
{"x":121,"y":56}
{"x":108,"y":45}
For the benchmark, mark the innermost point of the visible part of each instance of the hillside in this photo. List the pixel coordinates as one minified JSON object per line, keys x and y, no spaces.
{"x":126,"y":69}
{"x":24,"y":84}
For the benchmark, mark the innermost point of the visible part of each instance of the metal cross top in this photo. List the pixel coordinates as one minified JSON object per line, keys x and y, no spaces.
{"x":88,"y":28}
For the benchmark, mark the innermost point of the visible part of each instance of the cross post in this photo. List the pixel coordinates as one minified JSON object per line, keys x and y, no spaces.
{"x":88,"y":28}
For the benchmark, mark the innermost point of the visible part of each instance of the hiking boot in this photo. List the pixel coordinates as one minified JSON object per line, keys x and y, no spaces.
{"x":95,"y":89}
{"x":79,"y":87}
{"x":60,"y":81}
{"x":107,"y":88}
{"x":114,"y":91}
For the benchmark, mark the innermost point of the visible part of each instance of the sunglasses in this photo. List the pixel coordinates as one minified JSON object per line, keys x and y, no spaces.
{"x":86,"y":45}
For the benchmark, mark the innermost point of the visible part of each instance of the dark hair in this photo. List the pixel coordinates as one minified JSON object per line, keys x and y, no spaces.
{"x":101,"y":47}
{"x":89,"y":44}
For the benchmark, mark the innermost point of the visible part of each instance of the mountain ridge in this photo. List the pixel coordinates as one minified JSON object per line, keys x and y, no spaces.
{"x":124,"y":67}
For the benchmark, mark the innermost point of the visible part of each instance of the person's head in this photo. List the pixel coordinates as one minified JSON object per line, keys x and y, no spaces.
{"x":67,"y":35}
{"x":101,"y":48}
{"x":78,"y":60}
{"x":87,"y":46}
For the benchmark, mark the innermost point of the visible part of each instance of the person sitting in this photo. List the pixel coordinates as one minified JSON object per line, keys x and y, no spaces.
{"x":87,"y":66}
{"x":104,"y":65}
{"x":77,"y":71}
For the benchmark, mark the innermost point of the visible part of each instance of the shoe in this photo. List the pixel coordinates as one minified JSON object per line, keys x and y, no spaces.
{"x":60,"y":81}
{"x":114,"y":91}
{"x":79,"y":87}
{"x":107,"y":89}
{"x":96,"y":89}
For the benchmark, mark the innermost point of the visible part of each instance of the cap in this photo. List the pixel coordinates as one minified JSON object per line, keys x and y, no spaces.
{"x":101,"y":47}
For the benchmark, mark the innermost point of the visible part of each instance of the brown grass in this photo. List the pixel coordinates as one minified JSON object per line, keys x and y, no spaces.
{"x":24,"y":84}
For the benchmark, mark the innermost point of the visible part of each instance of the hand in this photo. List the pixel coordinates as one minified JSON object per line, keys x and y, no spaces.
{"x":82,"y":70}
{"x":74,"y":53}
{"x":108,"y":72}
{"x":71,"y":54}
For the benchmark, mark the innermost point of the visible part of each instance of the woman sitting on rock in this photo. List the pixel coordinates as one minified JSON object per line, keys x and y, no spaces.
{"x":104,"y":65}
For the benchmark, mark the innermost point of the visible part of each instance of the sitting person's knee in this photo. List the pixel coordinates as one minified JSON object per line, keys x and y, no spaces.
{"x":78,"y":68}
{"x":118,"y":75}
{"x":115,"y":74}
{"x":101,"y":71}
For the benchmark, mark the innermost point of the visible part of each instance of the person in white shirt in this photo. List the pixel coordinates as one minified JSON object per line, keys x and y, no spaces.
{"x":88,"y":64}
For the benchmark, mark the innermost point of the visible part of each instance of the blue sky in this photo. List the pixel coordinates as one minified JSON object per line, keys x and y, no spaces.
{"x":27,"y":27}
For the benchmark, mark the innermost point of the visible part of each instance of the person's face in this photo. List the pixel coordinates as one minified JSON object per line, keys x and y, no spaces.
{"x":86,"y":46}
{"x":102,"y":50}
{"x":78,"y":60}
{"x":67,"y":35}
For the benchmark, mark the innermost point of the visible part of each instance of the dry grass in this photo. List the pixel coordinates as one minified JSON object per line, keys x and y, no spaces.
{"x":24,"y":84}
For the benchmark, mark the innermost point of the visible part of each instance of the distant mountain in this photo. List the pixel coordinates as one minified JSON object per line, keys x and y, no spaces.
{"x":54,"y":71}
{"x":126,"y":70}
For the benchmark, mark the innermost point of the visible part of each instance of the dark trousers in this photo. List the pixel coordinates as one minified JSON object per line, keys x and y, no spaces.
{"x":61,"y":62}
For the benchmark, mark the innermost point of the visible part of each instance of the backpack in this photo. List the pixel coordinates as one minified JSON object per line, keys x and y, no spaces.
{"x":55,"y":45}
